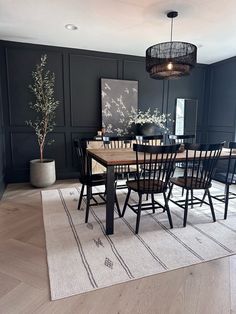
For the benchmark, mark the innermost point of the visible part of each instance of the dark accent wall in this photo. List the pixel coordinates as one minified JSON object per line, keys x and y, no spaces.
{"x":78,"y":74}
{"x":222,"y":101}
{"x":2,"y":146}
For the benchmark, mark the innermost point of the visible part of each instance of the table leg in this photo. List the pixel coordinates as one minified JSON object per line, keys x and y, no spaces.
{"x":88,"y":169}
{"x":110,"y":191}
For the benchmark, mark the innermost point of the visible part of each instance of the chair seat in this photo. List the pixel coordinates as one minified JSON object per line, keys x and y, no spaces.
{"x":222,"y":177}
{"x":94,"y":179}
{"x":190,"y":183}
{"x":147,"y":187}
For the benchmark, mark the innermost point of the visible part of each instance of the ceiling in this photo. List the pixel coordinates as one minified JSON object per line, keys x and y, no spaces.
{"x":122,"y":26}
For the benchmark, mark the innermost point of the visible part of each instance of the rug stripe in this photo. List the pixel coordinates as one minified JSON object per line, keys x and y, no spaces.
{"x":79,"y":245}
{"x":207,"y":235}
{"x":220,"y":222}
{"x":227,"y":227}
{"x":114,"y":250}
{"x":145,"y":244}
{"x":112,"y":245}
{"x":173,"y":235}
{"x":176,"y":238}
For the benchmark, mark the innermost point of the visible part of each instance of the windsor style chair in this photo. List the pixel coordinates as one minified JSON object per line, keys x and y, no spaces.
{"x":161,"y":159}
{"x":198,"y":175}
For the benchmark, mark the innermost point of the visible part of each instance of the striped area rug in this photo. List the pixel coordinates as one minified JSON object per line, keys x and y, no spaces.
{"x":82,"y":258}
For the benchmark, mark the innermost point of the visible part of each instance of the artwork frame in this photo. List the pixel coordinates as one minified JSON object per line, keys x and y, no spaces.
{"x":119,"y":98}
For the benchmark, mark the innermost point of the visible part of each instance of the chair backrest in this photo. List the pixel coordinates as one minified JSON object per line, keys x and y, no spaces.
{"x":200,"y":164}
{"x":153,"y":140}
{"x":161,"y":160}
{"x":114,"y":142}
{"x":231,"y":168}
{"x":181,"y":139}
{"x":80,"y":146}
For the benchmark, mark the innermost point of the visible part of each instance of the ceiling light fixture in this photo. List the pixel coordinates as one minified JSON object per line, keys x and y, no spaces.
{"x":170,"y":59}
{"x":71,"y":27}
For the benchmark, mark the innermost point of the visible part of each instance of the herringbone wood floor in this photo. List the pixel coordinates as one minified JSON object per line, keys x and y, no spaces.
{"x":24,"y":287}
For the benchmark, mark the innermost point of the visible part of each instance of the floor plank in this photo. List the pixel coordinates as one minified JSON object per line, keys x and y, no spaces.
{"x":7,"y":284}
{"x":24,"y":262}
{"x":22,"y":299}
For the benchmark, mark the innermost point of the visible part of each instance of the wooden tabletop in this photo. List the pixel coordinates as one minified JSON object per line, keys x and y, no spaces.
{"x":113,"y":157}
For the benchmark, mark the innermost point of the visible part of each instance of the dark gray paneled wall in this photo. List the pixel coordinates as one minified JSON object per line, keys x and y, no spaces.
{"x":2,"y":149}
{"x":222,"y":101}
{"x":78,"y":74}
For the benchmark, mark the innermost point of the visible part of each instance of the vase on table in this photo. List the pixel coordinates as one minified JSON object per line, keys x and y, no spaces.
{"x":148,"y":129}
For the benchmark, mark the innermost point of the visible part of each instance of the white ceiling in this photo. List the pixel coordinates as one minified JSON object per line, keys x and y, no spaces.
{"x":122,"y":26}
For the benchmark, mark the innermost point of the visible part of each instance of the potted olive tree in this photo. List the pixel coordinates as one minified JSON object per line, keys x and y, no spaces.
{"x":42,"y":171}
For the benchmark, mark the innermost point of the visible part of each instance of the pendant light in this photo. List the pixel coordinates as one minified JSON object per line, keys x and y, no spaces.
{"x":170,"y":59}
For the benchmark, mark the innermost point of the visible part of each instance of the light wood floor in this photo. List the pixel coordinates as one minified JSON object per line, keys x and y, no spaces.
{"x":207,"y":288}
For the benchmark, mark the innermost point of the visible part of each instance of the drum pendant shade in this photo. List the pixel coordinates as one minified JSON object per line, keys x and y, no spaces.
{"x":170,"y":59}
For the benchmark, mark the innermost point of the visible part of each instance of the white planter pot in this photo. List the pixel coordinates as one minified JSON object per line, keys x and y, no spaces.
{"x":42,"y":174}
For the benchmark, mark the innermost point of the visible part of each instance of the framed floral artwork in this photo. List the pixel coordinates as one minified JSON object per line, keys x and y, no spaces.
{"x":119,"y":100}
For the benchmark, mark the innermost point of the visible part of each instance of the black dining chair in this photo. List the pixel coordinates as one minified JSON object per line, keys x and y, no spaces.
{"x":89,"y":180}
{"x":200,"y":165}
{"x":161,"y":159}
{"x":181,"y":139}
{"x":153,"y":140}
{"x":120,"y":142}
{"x":228,"y":178}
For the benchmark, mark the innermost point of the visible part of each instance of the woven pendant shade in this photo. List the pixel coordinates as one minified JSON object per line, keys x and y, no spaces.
{"x":170,"y":59}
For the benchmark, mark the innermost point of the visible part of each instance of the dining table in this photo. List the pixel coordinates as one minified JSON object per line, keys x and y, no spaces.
{"x":110,"y":158}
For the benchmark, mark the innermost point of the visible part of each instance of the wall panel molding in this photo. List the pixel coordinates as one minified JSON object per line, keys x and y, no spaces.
{"x":85,"y":102}
{"x":19,"y":91}
{"x":151,"y":92}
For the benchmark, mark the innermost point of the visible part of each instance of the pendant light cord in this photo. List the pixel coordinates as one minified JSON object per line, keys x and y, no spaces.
{"x":171,"y":36}
{"x":171,"y":29}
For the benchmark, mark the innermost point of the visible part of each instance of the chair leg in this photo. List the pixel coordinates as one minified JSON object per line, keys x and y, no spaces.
{"x":138,"y":213}
{"x":126,"y":202}
{"x":211,"y":205}
{"x":186,"y":208}
{"x":182,"y":191}
{"x":191,"y":198}
{"x":89,"y":194}
{"x":81,"y":197}
{"x":168,"y":210}
{"x":203,"y":199}
{"x":141,"y":173}
{"x":153,"y":204}
{"x":225,"y":189}
{"x":226,"y":200}
{"x":117,"y":205}
{"x":170,"y":191}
